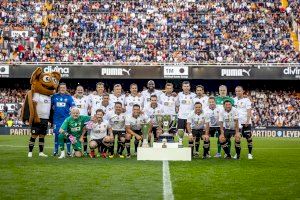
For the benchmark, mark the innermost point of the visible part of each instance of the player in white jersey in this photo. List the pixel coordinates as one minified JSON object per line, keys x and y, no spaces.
{"x":133,"y":127}
{"x":100,"y":133}
{"x":185,"y":104}
{"x":243,"y":106}
{"x":213,"y":113}
{"x":105,"y":105}
{"x":94,"y":100}
{"x":133,"y":98}
{"x":117,"y":95}
{"x":116,"y":119}
{"x":201,"y":97}
{"x":229,"y":126}
{"x":150,"y":91}
{"x":198,"y":127}
{"x":81,"y":102}
{"x":152,"y":110}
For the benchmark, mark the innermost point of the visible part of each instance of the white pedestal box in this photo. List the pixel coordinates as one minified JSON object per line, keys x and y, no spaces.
{"x":172,"y":153}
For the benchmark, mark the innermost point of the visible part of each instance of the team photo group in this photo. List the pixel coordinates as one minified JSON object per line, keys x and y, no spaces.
{"x":104,"y":124}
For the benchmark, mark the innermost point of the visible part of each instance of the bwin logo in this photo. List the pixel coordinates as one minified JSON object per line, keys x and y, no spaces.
{"x":115,"y":72}
{"x":235,"y":72}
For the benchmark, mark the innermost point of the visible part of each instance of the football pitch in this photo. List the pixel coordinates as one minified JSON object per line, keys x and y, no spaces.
{"x":274,"y":173}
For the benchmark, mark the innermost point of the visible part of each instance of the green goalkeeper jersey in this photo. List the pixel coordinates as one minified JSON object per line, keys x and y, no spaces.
{"x":75,"y":126}
{"x":220,"y":100}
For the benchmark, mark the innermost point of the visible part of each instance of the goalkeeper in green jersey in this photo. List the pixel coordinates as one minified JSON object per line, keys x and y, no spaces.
{"x":219,"y":101}
{"x":72,"y":128}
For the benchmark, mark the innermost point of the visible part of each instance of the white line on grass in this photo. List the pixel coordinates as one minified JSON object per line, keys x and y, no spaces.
{"x":167,"y":184}
{"x":273,"y":148}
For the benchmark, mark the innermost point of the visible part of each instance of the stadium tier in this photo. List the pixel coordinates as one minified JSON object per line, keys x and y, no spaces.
{"x":150,"y":31}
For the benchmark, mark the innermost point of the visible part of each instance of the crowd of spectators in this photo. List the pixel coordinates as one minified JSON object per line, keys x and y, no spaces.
{"x":241,"y":31}
{"x":269,"y":108}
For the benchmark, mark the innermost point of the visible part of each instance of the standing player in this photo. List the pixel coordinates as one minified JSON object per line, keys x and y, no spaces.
{"x":133,"y":128}
{"x":219,"y":101}
{"x":185,"y":104}
{"x":117,"y":95}
{"x":243,"y":105}
{"x":100,"y":133}
{"x":61,"y":103}
{"x":116,"y":120}
{"x":95,"y":100}
{"x":229,"y":126}
{"x":198,"y":127}
{"x":213,"y":114}
{"x":151,"y":111}
{"x":201,"y":97}
{"x":71,"y":129}
{"x":81,"y":102}
{"x":133,"y":98}
{"x":105,"y":105}
{"x":150,"y":91}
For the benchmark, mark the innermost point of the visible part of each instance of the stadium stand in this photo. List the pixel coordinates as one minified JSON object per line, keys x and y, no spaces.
{"x":148,"y":31}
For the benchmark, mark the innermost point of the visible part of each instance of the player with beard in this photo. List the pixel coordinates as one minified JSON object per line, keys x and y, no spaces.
{"x":133,"y":128}
{"x":133,"y":98}
{"x":220,"y":102}
{"x":185,"y":104}
{"x":95,"y":99}
{"x":152,"y":110}
{"x":198,"y":127}
{"x":81,"y":102}
{"x":229,"y":126}
{"x":201,"y":97}
{"x":116,"y":119}
{"x":117,"y":95}
{"x":243,"y":106}
{"x":150,"y":91}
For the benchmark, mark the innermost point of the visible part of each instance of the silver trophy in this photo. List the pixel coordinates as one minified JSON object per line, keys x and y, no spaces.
{"x":145,"y":131}
{"x":180,"y":136}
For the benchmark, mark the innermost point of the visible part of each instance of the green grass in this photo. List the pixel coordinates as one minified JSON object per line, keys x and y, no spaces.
{"x":273,"y":174}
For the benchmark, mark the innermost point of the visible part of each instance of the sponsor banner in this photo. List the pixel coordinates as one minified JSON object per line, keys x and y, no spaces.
{"x":18,"y":130}
{"x":4,"y":71}
{"x":176,"y":71}
{"x":291,"y":72}
{"x":285,"y":132}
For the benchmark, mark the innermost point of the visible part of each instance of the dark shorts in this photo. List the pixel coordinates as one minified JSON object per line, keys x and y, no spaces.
{"x":229,"y":133}
{"x":198,"y":133}
{"x":246,"y":131}
{"x":98,"y":141}
{"x":181,"y":124}
{"x":154,"y":129}
{"x":139,"y":132}
{"x":119,"y":133}
{"x":40,"y":128}
{"x":214,"y":131}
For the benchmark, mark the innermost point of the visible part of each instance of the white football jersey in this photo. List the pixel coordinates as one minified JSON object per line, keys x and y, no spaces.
{"x":197,"y":121}
{"x":135,"y":123}
{"x":43,"y":106}
{"x":117,"y":122}
{"x":146,"y":95}
{"x":99,"y":130}
{"x":228,"y":118}
{"x":113,"y":99}
{"x":132,"y":100}
{"x":82,"y":103}
{"x":213,"y":116}
{"x":203,"y":100}
{"x":242,"y":105}
{"x":168,"y":104}
{"x":94,"y":101}
{"x":185,"y":103}
{"x":107,"y":109}
{"x":152,"y":112}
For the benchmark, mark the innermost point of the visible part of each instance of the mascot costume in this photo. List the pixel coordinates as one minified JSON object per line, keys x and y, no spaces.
{"x":37,"y":106}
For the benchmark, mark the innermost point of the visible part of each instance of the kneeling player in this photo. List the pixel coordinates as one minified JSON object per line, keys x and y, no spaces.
{"x":229,"y":126}
{"x":133,"y":128}
{"x":198,"y":127}
{"x":98,"y":132}
{"x":72,"y":129}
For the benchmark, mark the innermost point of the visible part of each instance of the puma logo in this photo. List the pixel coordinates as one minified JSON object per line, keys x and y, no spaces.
{"x":127,"y":71}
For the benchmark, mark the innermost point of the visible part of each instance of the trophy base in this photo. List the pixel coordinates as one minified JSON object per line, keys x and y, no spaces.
{"x":167,"y":136}
{"x":180,"y":145}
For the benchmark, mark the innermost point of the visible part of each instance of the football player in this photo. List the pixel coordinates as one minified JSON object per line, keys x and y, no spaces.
{"x":117,"y":95}
{"x":150,"y":91}
{"x":94,"y":100}
{"x":133,"y":98}
{"x":201,"y":97}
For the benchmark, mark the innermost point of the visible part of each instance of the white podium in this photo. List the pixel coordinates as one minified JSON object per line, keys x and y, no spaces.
{"x":172,"y":153}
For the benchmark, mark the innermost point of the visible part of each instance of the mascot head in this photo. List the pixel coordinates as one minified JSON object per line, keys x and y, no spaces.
{"x":44,"y":83}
